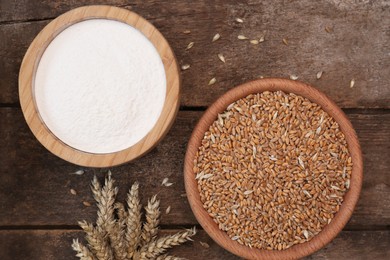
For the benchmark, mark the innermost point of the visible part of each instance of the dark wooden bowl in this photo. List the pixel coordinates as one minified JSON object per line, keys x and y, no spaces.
{"x":341,"y":218}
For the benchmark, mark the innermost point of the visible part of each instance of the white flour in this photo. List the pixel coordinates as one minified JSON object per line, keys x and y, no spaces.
{"x":100,"y":86}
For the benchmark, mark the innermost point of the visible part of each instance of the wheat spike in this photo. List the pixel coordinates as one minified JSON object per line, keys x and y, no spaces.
{"x":120,"y":236}
{"x":133,"y":220}
{"x":159,"y":246}
{"x":117,"y":241}
{"x":106,"y":204}
{"x":150,"y":228}
{"x":97,"y":241}
{"x":82,"y":251}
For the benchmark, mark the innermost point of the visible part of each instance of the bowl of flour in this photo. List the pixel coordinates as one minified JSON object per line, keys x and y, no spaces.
{"x":99,"y":86}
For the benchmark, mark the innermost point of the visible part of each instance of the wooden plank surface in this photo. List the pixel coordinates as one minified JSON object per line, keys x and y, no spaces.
{"x":38,"y":214}
{"x":354,"y":48}
{"x":55,"y":244}
{"x":35,"y":185}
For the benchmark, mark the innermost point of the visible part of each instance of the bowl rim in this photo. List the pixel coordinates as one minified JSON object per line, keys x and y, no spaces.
{"x":346,"y":209}
{"x":27,"y":78}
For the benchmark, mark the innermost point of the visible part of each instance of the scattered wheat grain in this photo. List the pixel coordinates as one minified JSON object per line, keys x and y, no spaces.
{"x":221,"y":57}
{"x":352,"y":83}
{"x":185,"y":67}
{"x":216,"y":37}
{"x":87,"y":204}
{"x":190,"y":45}
{"x":212,"y":81}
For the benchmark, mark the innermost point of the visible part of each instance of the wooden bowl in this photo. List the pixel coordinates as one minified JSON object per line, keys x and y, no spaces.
{"x":30,"y":64}
{"x":341,"y":218}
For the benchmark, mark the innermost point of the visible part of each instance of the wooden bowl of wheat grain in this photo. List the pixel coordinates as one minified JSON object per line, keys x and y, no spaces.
{"x":350,"y":198}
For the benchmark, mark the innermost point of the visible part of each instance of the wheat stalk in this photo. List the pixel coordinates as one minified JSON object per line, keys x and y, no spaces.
{"x":150,"y":228}
{"x":159,"y":246}
{"x":133,"y":221}
{"x":121,"y":236}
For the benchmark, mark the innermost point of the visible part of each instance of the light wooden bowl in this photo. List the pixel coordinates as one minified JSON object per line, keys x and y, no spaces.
{"x":29,"y":67}
{"x":341,"y":218}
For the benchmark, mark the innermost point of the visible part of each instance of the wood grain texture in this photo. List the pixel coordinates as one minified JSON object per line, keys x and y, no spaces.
{"x":354,"y":49}
{"x":34,"y":184}
{"x":350,"y":199}
{"x":55,"y":244}
{"x":29,"y":67}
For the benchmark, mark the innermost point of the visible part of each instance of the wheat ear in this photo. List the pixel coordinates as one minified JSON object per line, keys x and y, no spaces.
{"x":116,"y":233}
{"x":106,"y":204}
{"x":82,"y":251}
{"x":150,"y":228}
{"x":133,"y":220}
{"x":159,"y":246}
{"x":97,"y":241}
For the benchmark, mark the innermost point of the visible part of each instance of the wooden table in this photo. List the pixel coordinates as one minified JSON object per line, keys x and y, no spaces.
{"x":345,"y":39}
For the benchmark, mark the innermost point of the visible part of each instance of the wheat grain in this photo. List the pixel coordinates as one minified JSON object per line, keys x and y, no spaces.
{"x":87,"y":204}
{"x":165,"y":181}
{"x":328,"y":29}
{"x":78,"y":172}
{"x":262,"y":38}
{"x":242,"y":37}
{"x":185,"y":67}
{"x":212,"y":81}
{"x":73,"y":192}
{"x":221,"y":57}
{"x":352,"y":83}
{"x":273,"y":172}
{"x":239,"y":20}
{"x":190,"y":45}
{"x":319,"y":74}
{"x":216,"y":37}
